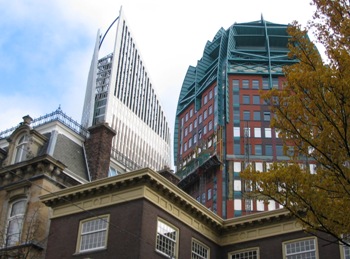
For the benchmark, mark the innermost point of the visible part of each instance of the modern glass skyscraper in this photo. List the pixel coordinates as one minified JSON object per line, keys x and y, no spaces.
{"x":222,"y":122}
{"x":119,"y":92}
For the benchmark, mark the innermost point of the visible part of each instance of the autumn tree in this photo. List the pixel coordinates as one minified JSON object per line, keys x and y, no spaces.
{"x":312,"y":115}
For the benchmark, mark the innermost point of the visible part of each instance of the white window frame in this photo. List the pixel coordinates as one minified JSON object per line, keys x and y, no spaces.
{"x":172,"y":242}
{"x":82,"y":235}
{"x":14,"y":224}
{"x":244,"y":253}
{"x":287,"y":254}
{"x":199,"y":250}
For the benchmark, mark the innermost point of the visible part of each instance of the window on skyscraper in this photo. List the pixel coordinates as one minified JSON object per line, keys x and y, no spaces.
{"x":246,"y":115}
{"x":257,"y":132}
{"x":259,"y":166}
{"x":205,"y":99}
{"x":205,"y":129}
{"x":186,"y":132}
{"x":246,"y":99}
{"x":200,"y":118}
{"x":268,"y":133}
{"x":236,"y":99}
{"x":237,"y":149}
{"x":258,"y":150}
{"x":186,"y":117}
{"x":267,"y":116}
{"x":205,"y":114}
{"x":236,"y":116}
{"x":266,"y":84}
{"x":191,"y":112}
{"x":275,"y":83}
{"x":255,"y":84}
{"x":210,"y":94}
{"x":210,"y":125}
{"x":268,"y":150}
{"x":235,"y":85}
{"x":256,"y":115}
{"x":210,"y":109}
{"x":245,"y":84}
{"x":195,"y":124}
{"x":209,"y":194}
{"x":190,"y":130}
{"x":256,"y":99}
{"x":279,"y":150}
{"x":236,"y":131}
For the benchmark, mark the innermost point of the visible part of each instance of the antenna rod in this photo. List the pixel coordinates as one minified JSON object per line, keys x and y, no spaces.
{"x":107,"y":32}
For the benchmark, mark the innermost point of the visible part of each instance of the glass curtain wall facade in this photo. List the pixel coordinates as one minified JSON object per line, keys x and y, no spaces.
{"x":222,"y":122}
{"x":119,"y":92}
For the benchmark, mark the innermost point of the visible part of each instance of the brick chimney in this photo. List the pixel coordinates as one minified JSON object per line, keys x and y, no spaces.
{"x":98,"y":150}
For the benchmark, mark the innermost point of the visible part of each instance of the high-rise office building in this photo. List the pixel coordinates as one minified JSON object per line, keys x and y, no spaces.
{"x":222,"y":122}
{"x":119,"y":92}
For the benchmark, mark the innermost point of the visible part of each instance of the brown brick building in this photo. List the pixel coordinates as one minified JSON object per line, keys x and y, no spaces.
{"x":143,"y":215}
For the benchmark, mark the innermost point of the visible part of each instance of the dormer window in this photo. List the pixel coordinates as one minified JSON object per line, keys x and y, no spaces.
{"x":21,"y":149}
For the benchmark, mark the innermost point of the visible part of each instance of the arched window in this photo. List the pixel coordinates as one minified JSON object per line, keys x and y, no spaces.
{"x":15,"y":222}
{"x":21,"y":149}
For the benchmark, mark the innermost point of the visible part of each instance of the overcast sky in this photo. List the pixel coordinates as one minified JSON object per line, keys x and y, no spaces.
{"x":46,"y":46}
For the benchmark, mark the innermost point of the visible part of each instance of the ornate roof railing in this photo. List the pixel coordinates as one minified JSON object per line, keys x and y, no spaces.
{"x":57,"y":115}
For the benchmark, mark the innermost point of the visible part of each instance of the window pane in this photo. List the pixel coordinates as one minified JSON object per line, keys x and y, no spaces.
{"x":266,"y":84}
{"x":15,"y":222}
{"x":301,"y":249}
{"x":279,"y":150}
{"x":235,"y":98}
{"x":246,"y":99}
{"x":235,"y":84}
{"x":266,"y":116}
{"x":166,"y":239}
{"x":268,"y":150}
{"x":258,"y":150}
{"x":236,"y":131}
{"x":245,"y":84}
{"x":199,"y":251}
{"x":267,"y":132}
{"x":94,"y":234}
{"x":255,"y":84}
{"x":237,"y":149}
{"x":246,"y":115}
{"x":257,"y":132}
{"x":248,"y":254}
{"x":256,"y":115}
{"x":256,"y":99}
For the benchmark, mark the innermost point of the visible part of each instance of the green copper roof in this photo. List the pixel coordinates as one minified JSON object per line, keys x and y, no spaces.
{"x":258,"y":47}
